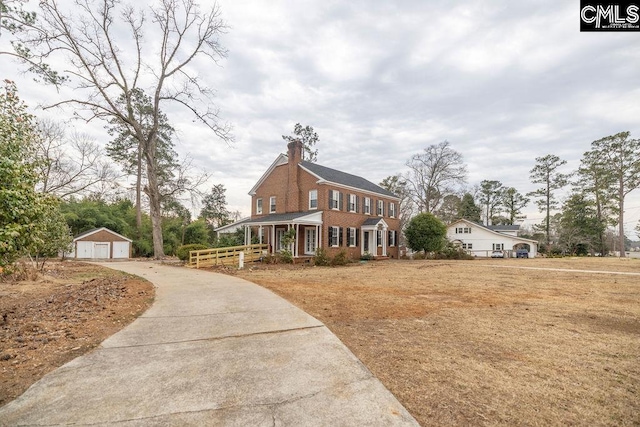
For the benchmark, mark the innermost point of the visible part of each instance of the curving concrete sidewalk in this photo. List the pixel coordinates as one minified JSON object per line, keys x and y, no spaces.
{"x":212,"y":350}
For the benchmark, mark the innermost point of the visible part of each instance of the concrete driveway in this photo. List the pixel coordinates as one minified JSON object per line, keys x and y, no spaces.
{"x":212,"y":350}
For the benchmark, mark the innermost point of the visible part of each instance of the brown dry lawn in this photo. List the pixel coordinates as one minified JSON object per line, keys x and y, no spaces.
{"x":473,"y":343}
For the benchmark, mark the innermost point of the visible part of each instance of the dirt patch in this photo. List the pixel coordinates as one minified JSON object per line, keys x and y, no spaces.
{"x":465,"y":343}
{"x":66,"y":313}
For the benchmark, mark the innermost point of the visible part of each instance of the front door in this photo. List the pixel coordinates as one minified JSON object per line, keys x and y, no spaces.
{"x":365,"y":241}
{"x":310,"y":241}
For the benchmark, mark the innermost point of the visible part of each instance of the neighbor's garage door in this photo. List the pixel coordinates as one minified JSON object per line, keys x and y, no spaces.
{"x":85,"y":250}
{"x":121,"y":249}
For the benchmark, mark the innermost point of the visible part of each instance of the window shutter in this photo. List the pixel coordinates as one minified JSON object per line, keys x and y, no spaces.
{"x":348,"y":236}
{"x":389,"y":237}
{"x":330,"y":241}
{"x":340,"y":241}
{"x":357,"y":237}
{"x":395,"y":240}
{"x":348,"y":202}
{"x":330,"y":200}
{"x":357,"y":203}
{"x":341,"y":201}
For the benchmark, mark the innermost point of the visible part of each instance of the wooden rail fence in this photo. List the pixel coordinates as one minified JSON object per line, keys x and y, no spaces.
{"x":226,"y":256}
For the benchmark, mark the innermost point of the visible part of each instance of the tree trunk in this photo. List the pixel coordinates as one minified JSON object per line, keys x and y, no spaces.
{"x":548,"y":218}
{"x":155,"y":205}
{"x":621,"y":218}
{"x":138,"y":192}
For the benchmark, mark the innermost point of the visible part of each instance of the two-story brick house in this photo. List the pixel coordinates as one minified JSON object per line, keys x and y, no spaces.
{"x":327,"y":209}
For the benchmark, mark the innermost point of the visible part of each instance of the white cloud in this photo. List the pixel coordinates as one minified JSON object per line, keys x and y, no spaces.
{"x":503,"y":81}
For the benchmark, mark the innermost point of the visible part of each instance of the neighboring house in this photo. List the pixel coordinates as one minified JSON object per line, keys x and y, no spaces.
{"x":480,"y":240}
{"x":327,"y":209}
{"x":231,"y":228}
{"x":101,"y":243}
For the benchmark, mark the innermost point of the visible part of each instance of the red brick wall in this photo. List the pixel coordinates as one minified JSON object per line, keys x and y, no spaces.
{"x":276,"y":185}
{"x":332,"y":218}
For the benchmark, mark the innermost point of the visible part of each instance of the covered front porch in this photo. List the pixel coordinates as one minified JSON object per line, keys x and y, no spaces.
{"x":272,"y":229}
{"x":372,"y":236}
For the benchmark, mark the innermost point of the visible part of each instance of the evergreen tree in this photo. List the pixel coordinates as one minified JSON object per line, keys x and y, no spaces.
{"x":491,"y":196}
{"x":28,"y":219}
{"x":546,"y":172}
{"x":579,"y":229}
{"x":513,"y":202}
{"x":468,"y":209}
{"x":426,"y":233}
{"x":621,"y":159}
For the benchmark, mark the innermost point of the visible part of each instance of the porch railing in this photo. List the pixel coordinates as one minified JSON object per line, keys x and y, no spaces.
{"x":226,"y":256}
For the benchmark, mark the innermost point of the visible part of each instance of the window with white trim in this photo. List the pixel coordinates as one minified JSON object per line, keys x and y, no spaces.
{"x":463,"y":230}
{"x":334,"y":236}
{"x":313,"y":199}
{"x":380,"y":207}
{"x":467,"y":246}
{"x":352,"y":202}
{"x":392,"y":209}
{"x":367,"y":205}
{"x":379,"y":237}
{"x":335,"y":199}
{"x":352,"y":236}
{"x":498,"y":246}
{"x":258,"y":206}
{"x":272,"y":204}
{"x":392,"y":238}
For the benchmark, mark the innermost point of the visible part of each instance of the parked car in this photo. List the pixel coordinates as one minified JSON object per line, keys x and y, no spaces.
{"x":522,"y":253}
{"x":497,"y":254}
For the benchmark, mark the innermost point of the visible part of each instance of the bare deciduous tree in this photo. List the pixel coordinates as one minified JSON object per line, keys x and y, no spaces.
{"x":398,"y":186}
{"x":101,"y":72}
{"x":434,"y":174}
{"x":68,"y":166}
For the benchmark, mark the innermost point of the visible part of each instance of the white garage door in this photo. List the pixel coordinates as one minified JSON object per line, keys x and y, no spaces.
{"x":85,"y":250}
{"x":101,"y":250}
{"x":121,"y":249}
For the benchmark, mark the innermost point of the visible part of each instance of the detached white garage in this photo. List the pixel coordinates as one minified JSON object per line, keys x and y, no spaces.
{"x":101,"y":243}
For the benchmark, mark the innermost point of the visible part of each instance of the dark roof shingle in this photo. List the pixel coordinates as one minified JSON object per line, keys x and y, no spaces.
{"x":344,"y":178}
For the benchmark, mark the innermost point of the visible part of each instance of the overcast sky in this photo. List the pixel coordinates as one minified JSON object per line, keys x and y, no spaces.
{"x":504,"y":82}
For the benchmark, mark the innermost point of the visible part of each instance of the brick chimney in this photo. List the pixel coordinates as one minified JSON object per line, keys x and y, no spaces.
{"x":293,"y":190}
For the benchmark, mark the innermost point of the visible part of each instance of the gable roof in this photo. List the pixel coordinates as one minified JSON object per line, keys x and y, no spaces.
{"x":280,"y":160}
{"x":327,"y":175}
{"x":96,"y":230}
{"x":344,"y":179}
{"x":490,"y":230}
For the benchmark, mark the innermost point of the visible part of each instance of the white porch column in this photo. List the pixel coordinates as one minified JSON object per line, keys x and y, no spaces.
{"x":295,"y":247}
{"x":273,"y":239}
{"x":361,"y":242}
{"x":384,"y":241}
{"x":260,"y":234}
{"x":246,"y":241}
{"x":318,"y":236}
